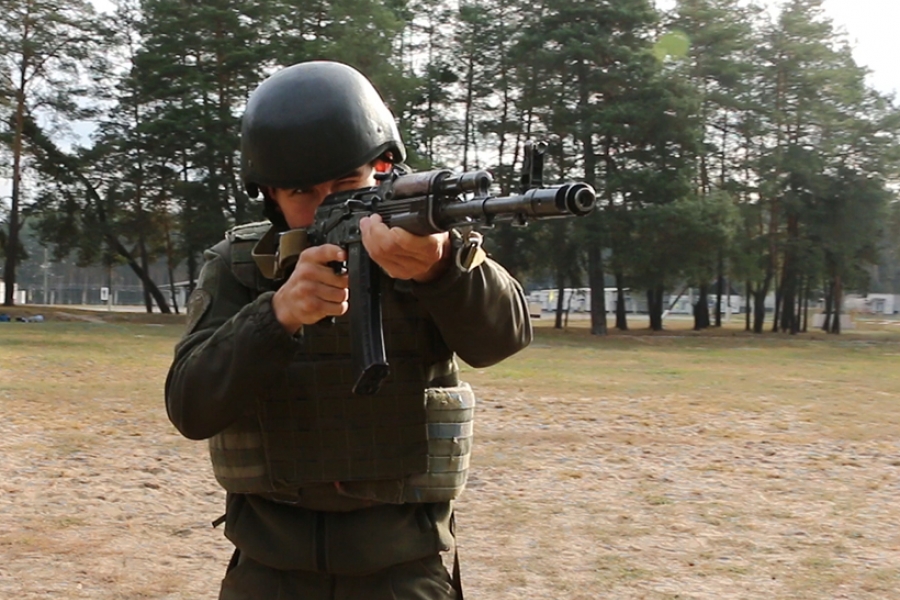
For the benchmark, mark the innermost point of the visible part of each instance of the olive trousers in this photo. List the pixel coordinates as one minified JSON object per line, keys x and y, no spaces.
{"x":424,"y":579}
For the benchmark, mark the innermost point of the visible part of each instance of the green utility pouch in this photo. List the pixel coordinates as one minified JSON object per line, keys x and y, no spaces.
{"x":449,"y":417}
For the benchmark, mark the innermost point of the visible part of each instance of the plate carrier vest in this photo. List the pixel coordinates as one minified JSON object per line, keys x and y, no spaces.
{"x":406,"y":443}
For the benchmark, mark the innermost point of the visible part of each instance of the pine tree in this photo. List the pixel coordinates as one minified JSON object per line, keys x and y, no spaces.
{"x":194,"y":70}
{"x":820,"y":126}
{"x":591,"y":81}
{"x":719,"y":36}
{"x":46,"y":46}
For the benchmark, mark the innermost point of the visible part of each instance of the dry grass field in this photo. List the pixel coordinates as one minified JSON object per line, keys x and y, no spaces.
{"x":637,"y":466}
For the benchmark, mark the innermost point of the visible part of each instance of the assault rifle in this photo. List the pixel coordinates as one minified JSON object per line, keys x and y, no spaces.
{"x":426,"y":203}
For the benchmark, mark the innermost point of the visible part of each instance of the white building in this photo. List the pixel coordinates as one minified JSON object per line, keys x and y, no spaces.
{"x":578,"y":300}
{"x":19,"y":295}
{"x":882,"y":304}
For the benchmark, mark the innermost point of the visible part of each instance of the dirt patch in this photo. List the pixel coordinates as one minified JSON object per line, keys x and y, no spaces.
{"x":610,"y":499}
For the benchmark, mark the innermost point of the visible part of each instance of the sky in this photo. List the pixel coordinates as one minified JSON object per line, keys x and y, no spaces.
{"x":872,"y":30}
{"x":871,"y":27}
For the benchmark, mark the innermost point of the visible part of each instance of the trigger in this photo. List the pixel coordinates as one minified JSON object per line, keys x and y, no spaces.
{"x":338,"y":266}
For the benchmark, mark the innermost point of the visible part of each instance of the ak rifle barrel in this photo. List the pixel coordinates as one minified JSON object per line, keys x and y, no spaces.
{"x":571,"y":199}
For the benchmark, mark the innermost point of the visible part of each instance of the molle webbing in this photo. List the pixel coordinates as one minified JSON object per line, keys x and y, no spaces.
{"x":238,"y":457}
{"x":315,"y":429}
{"x":450,"y":417}
{"x":316,"y":432}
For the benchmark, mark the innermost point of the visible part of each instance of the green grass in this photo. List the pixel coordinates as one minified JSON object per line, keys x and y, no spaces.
{"x":847,"y":383}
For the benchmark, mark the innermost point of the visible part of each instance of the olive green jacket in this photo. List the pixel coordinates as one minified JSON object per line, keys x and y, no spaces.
{"x":234,"y":348}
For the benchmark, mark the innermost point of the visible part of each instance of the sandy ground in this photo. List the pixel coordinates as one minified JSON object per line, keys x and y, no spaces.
{"x":563,"y":503}
{"x":571,"y":496}
{"x":742,"y":505}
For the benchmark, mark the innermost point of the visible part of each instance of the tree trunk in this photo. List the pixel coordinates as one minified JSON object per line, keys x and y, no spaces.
{"x":560,"y":300}
{"x":467,"y":118}
{"x":145,"y":265}
{"x":701,"y":308}
{"x":807,"y":291}
{"x":829,"y":299}
{"x":621,"y":308}
{"x":778,"y":290}
{"x":598,"y":292}
{"x":171,"y":263}
{"x":748,"y":295}
{"x":759,"y":301}
{"x":173,"y":292}
{"x":596,"y":275}
{"x":192,"y":272}
{"x":798,"y":308}
{"x":838,"y":301}
{"x":655,"y":307}
{"x":759,"y":310}
{"x":720,"y":288}
{"x":12,"y":242}
{"x":12,"y":239}
{"x":789,"y":281}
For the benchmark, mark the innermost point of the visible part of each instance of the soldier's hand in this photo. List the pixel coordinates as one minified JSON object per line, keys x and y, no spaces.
{"x":403,"y":255}
{"x":313,"y":291}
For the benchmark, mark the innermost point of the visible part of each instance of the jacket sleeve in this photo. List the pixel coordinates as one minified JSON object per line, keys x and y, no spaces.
{"x":233,"y":349}
{"x":482,"y":315}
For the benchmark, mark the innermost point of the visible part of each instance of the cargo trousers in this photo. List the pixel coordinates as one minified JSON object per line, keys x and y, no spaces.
{"x":425,"y":579}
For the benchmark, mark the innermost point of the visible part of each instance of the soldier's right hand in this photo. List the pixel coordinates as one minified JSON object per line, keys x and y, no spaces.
{"x":313,"y":291}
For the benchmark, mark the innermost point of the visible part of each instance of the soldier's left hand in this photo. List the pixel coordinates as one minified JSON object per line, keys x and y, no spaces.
{"x":403,"y":255}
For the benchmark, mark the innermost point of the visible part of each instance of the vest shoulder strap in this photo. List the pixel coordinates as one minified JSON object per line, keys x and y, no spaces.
{"x":248,"y":232}
{"x":240,"y":242}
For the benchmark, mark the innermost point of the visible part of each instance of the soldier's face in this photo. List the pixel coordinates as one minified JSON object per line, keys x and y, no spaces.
{"x":299,"y":206}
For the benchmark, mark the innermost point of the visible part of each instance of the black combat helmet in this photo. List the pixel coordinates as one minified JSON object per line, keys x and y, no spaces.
{"x":313,"y":122}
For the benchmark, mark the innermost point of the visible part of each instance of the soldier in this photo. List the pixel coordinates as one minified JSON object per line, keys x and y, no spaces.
{"x":329,"y":494}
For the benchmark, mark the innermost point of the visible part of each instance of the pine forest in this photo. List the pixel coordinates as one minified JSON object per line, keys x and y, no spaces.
{"x":734,"y":150}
